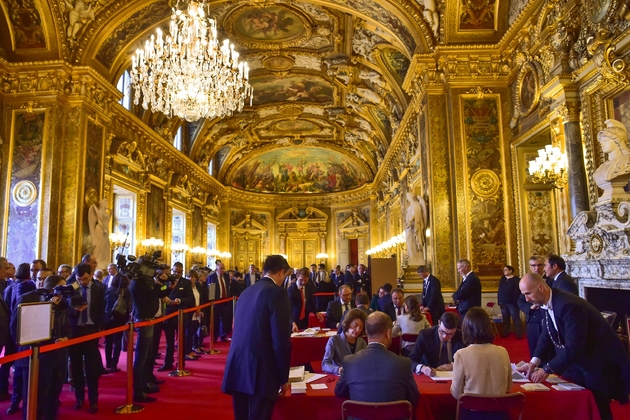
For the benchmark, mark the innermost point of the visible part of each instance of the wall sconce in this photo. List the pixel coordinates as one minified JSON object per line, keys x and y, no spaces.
{"x":225,"y":255}
{"x":322,"y":257}
{"x":550,"y":167}
{"x":179,"y":249}
{"x":387,"y":247}
{"x":198,"y":253}
{"x":117,"y":240}
{"x":151,"y":245}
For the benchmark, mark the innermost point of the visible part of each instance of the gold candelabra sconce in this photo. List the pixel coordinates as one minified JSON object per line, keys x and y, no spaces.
{"x":151,"y":245}
{"x":388,"y":247}
{"x":118,"y":240}
{"x":179,"y":250}
{"x":198,"y":254}
{"x":550,"y":167}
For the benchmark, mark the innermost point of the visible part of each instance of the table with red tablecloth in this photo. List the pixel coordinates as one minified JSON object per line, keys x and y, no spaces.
{"x":314,"y":322}
{"x":436,"y":403}
{"x":308,"y":349}
{"x":450,"y":308}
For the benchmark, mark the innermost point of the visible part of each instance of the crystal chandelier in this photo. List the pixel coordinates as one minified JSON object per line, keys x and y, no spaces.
{"x":187,"y":73}
{"x":550,"y":167}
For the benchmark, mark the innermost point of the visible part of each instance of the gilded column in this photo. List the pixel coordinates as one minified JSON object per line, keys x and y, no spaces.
{"x":578,"y":193}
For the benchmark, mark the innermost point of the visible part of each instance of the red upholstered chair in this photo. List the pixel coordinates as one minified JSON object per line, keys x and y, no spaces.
{"x":490,"y":308}
{"x":395,"y":410}
{"x":395,"y":346}
{"x":429,"y":317}
{"x":508,"y":406}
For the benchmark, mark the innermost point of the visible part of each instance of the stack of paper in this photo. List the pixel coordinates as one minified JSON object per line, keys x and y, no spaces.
{"x":534,"y":387}
{"x":296,"y":374}
{"x":331,"y":333}
{"x":309,"y":332}
{"x":298,"y":388}
{"x":518,"y":377}
{"x":555,"y":379}
{"x":567,"y":386}
{"x":442,"y":375}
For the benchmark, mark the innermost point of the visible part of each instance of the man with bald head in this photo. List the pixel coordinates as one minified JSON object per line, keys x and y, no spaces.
{"x":588,"y":351}
{"x":376,"y":374}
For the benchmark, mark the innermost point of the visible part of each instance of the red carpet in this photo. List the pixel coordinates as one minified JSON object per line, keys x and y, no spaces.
{"x":201,"y":393}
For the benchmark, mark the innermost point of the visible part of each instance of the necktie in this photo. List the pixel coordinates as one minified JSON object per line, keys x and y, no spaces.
{"x":221,"y":286}
{"x":444,"y":354}
{"x":303,"y":311}
{"x":84,"y":314}
{"x":399,"y":311}
{"x":345,"y":308}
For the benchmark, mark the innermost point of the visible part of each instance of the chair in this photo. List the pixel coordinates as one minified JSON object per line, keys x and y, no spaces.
{"x":490,"y":307}
{"x":470,"y":406}
{"x":395,"y":410}
{"x":395,"y":345}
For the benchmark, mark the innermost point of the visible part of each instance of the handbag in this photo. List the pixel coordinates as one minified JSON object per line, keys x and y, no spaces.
{"x":202,"y":331}
{"x":120,"y":312}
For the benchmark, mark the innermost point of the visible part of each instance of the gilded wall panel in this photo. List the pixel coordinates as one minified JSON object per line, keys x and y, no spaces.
{"x":541,"y":236}
{"x":198,"y":232}
{"x":156,"y":213}
{"x":93,"y":180}
{"x":25,"y":186}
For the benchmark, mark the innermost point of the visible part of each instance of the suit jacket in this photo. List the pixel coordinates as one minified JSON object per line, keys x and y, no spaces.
{"x":260,"y":353}
{"x":337,"y":349}
{"x":213,"y":281}
{"x":363,"y":283}
{"x":5,"y":317}
{"x":427,"y":348}
{"x":295,"y":296}
{"x":183,"y":292}
{"x":392,"y":311}
{"x":592,"y":350}
{"x":508,"y":290}
{"x":367,"y":311}
{"x":96,"y":306}
{"x":248,"y":279}
{"x":377,"y":375}
{"x":334,"y":313}
{"x":533,"y":316}
{"x":468,"y":294}
{"x":566,"y":283}
{"x":432,"y":298}
{"x":383,"y":301}
{"x":348,"y":279}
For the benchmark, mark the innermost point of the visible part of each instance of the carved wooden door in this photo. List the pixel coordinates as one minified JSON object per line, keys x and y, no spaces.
{"x":302,"y":252}
{"x":246,"y":254}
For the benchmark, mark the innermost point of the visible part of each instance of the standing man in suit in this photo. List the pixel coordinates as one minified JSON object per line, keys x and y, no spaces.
{"x":258,"y":361}
{"x":363,"y":304}
{"x":532,"y":311}
{"x":554,"y":269}
{"x":436,"y":346}
{"x":220,"y":281}
{"x":588,"y":351}
{"x":85,"y":320}
{"x":432,"y":299}
{"x":375,"y":374}
{"x":469,"y":292}
{"x":337,"y":308}
{"x":302,"y":301}
{"x":251,"y":277}
{"x":348,"y":276}
{"x":180,"y":297}
{"x":386,"y":298}
{"x":312,"y":275}
{"x":363,"y":282}
{"x":337,"y":276}
{"x":396,"y":307}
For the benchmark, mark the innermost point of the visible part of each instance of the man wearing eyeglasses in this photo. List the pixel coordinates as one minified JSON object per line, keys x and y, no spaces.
{"x":337,"y":308}
{"x":436,"y":346}
{"x":532,"y":312}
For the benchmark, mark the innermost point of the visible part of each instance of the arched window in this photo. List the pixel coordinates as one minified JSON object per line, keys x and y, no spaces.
{"x":125,"y":87}
{"x":177,"y":141}
{"x":211,"y":167}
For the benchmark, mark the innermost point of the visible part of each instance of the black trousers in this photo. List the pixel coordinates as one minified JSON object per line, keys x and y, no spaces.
{"x":251,"y":407}
{"x":170,"y":327}
{"x":222,"y":320}
{"x":87,"y":351}
{"x":113,"y":347}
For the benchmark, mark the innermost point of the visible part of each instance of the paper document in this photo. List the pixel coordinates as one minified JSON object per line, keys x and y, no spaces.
{"x":568,"y":386}
{"x":442,"y":375}
{"x":534,"y":387}
{"x":310,"y":377}
{"x":518,"y":377}
{"x":319,"y":386}
{"x":298,"y":388}
{"x":296,"y":374}
{"x":309,"y":332}
{"x":331,"y":333}
{"x":555,"y":379}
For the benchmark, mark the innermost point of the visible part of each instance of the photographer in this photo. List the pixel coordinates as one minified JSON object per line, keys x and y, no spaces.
{"x":146,"y":293}
{"x":53,"y":364}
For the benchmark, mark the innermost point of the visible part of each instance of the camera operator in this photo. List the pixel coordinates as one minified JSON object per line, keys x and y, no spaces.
{"x":180,"y":297}
{"x":53,"y":364}
{"x":146,"y":293}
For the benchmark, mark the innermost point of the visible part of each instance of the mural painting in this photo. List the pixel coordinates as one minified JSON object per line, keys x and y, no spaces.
{"x":477,"y":14}
{"x":483,"y":160}
{"x":197,"y":224}
{"x":297,"y":88}
{"x":21,"y":241}
{"x":396,"y":63}
{"x":92,"y":186}
{"x":621,"y":105}
{"x":298,"y":170}
{"x":299,"y":126}
{"x":156,"y":210}
{"x":274,"y":23}
{"x":27,"y":24}
{"x":383,"y":121}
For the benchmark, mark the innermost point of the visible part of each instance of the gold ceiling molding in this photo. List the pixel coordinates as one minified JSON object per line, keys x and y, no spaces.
{"x":353,"y":197}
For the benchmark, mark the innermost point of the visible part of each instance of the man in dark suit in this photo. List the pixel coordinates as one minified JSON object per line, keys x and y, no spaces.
{"x":533,"y":313}
{"x":86,"y":320}
{"x":554,"y":269}
{"x":436,"y":346}
{"x":348,"y":276}
{"x":302,"y":301}
{"x":363,"y":304}
{"x":220,"y":282}
{"x":337,"y":276}
{"x":588,"y":351}
{"x":362,"y":280}
{"x":338,"y":307}
{"x":258,"y":361}
{"x":181,"y":297}
{"x":376,"y":374}
{"x":432,"y":299}
{"x":469,"y":292}
{"x":396,"y":307}
{"x":251,"y":277}
{"x":386,"y":298}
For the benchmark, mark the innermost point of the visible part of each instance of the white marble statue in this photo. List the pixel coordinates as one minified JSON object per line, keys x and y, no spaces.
{"x":78,"y":13}
{"x":431,"y":14}
{"x":415,"y":228}
{"x":613,"y":174}
{"x":98,"y":221}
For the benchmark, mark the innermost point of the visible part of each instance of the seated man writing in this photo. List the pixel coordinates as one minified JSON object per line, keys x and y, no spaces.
{"x":436,"y":346}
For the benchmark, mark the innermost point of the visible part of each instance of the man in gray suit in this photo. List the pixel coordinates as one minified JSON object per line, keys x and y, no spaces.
{"x":376,"y":374}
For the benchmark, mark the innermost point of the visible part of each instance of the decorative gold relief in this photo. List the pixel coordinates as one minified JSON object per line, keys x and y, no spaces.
{"x":277,"y":63}
{"x":485,"y":183}
{"x":24,"y":193}
{"x":597,"y":244}
{"x":599,"y":10}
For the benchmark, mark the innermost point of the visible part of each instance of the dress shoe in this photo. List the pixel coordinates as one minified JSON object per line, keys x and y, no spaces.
{"x":151,"y":389}
{"x":165,"y":368}
{"x":93,"y":408}
{"x":188,"y":357}
{"x":13,"y":408}
{"x":5,"y":396}
{"x":144,"y":398}
{"x":79,"y":405}
{"x":157,"y":381}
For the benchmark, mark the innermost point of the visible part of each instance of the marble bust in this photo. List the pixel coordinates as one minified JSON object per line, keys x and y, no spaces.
{"x":613,"y":174}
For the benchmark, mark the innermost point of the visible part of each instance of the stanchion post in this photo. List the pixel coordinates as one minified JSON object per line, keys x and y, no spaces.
{"x":180,"y":347}
{"x":129,"y":406}
{"x":33,"y":383}
{"x":211,"y":332}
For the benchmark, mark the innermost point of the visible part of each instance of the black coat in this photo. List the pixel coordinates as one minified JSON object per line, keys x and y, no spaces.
{"x":96,"y":306}
{"x":111,"y":296}
{"x":468,"y":294}
{"x":566,"y":283}
{"x":295,"y":296}
{"x":508,"y":290}
{"x":432,"y":298}
{"x":426,"y":351}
